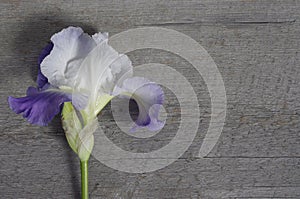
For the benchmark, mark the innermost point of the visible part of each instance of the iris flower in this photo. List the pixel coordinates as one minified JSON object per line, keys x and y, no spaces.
{"x":78,"y":75}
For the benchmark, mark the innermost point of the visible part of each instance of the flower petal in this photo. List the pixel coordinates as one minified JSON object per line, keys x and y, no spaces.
{"x":149,"y":97}
{"x":71,"y":46}
{"x":100,"y":71}
{"x":41,"y":79}
{"x":39,"y":107}
{"x":100,"y":37}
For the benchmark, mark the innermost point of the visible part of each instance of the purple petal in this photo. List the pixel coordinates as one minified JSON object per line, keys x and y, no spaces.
{"x":155,"y":124}
{"x":38,"y":107}
{"x":149,"y":97}
{"x":41,"y":79}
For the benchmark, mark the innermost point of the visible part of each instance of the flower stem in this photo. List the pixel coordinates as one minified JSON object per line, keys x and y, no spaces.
{"x":84,"y":179}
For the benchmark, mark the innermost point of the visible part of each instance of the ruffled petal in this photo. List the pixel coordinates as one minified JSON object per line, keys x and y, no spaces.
{"x":39,"y":107}
{"x":71,"y":46}
{"x":100,"y":37}
{"x":101,"y":70}
{"x":155,"y":123}
{"x":41,"y":79}
{"x":149,"y":97}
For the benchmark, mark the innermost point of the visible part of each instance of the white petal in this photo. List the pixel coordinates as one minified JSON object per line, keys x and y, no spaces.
{"x":100,"y":37}
{"x":101,"y":70}
{"x":71,"y":46}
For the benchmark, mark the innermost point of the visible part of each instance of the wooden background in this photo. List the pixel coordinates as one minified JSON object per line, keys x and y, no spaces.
{"x":256,"y":47}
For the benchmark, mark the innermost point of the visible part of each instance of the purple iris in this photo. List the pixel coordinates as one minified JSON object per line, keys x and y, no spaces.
{"x":75,"y":58}
{"x":41,"y":104}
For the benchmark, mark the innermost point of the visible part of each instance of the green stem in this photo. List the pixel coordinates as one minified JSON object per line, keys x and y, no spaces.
{"x":84,"y":179}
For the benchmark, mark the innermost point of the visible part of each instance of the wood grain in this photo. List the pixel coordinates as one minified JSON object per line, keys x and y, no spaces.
{"x":256,"y":47}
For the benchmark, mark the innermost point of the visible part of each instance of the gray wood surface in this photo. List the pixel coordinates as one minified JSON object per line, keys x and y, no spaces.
{"x":256,"y":47}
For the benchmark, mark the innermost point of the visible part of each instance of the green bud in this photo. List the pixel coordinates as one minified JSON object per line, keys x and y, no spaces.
{"x":71,"y":124}
{"x":80,"y":139}
{"x":85,"y":141}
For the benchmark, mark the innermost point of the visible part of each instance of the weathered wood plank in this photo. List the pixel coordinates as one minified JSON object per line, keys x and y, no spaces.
{"x":256,"y":47}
